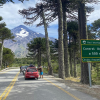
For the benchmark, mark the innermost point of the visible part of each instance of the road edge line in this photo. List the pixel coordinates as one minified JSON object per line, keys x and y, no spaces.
{"x":76,"y":98}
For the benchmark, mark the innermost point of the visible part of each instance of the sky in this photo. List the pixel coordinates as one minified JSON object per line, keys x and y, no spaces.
{"x":12,"y":18}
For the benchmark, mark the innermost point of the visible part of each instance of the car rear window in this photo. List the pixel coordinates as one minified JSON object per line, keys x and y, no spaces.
{"x":31,"y":70}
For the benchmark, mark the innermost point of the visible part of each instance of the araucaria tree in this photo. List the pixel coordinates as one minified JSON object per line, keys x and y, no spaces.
{"x":5,"y":34}
{"x":60,"y":37}
{"x":83,"y":34}
{"x":36,"y":48}
{"x":32,"y":14}
{"x":73,"y":44}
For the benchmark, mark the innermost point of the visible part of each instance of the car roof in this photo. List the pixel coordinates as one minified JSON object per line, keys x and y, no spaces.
{"x":30,"y":67}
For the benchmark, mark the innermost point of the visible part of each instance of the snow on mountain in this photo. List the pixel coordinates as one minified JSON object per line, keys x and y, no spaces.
{"x":23,"y":35}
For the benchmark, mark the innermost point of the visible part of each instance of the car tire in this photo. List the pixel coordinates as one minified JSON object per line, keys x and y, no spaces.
{"x":25,"y":78}
{"x":37,"y":78}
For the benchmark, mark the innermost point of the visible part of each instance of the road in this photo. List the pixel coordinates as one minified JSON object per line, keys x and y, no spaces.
{"x":14,"y":87}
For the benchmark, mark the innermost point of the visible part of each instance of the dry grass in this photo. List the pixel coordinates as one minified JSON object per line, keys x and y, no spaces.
{"x":73,"y":79}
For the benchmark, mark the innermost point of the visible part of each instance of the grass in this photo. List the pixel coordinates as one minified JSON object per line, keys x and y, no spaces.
{"x":45,"y":70}
{"x":73,"y":79}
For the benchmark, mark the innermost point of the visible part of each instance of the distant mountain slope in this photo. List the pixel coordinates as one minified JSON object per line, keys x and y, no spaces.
{"x":23,"y":35}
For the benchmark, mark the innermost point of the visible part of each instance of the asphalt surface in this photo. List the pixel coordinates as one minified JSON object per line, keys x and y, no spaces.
{"x":13,"y":86}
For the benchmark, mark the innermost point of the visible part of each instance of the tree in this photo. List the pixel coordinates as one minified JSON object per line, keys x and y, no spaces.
{"x":38,"y":12}
{"x":1,"y":26}
{"x":8,"y":56}
{"x":83,"y":35}
{"x":4,"y":1}
{"x":36,"y":47}
{"x":81,"y":4}
{"x":96,"y":27}
{"x":91,"y":33}
{"x":73,"y":44}
{"x":5,"y":34}
{"x":66,"y":54}
{"x":60,"y":37}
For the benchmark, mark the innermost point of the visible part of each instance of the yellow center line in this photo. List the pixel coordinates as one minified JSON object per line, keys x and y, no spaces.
{"x":8,"y":89}
{"x":63,"y":90}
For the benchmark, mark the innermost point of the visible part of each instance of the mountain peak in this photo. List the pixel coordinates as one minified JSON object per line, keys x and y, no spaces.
{"x":19,"y":27}
{"x":23,"y":35}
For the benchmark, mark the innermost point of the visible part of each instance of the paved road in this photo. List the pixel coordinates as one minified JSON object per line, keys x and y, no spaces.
{"x":14,"y":87}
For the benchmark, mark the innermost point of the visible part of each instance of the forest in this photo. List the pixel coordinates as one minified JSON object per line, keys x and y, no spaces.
{"x":64,"y":55}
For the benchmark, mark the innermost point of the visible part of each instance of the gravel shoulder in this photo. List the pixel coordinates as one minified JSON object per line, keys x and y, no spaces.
{"x":94,"y":91}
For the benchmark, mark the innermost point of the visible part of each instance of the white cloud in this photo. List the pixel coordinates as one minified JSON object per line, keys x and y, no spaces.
{"x":95,"y":14}
{"x":9,"y":12}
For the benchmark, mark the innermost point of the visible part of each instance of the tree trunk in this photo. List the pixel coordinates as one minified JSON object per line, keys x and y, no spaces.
{"x":79,"y":26}
{"x":74,"y":64}
{"x":47,"y":46}
{"x":82,"y":22}
{"x":70,"y":59}
{"x":39,"y":56}
{"x":1,"y":54}
{"x":71,"y":69}
{"x":60,"y":37}
{"x":66,"y":56}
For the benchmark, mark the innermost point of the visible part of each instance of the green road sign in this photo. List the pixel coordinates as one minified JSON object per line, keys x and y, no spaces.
{"x":90,"y":50}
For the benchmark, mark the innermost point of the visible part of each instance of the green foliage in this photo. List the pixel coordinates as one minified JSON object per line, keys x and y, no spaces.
{"x":45,"y":70}
{"x":72,"y":28}
{"x":1,"y":18}
{"x":96,"y":27}
{"x":55,"y":67}
{"x":78,"y":70}
{"x":4,"y":1}
{"x":94,"y":64}
{"x":96,"y":73}
{"x":91,"y":34}
{"x":2,"y":24}
{"x":35,"y":45}
{"x":6,"y":34}
{"x":23,"y":61}
{"x":8,"y":56}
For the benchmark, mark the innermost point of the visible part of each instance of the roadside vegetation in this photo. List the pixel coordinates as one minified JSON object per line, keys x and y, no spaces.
{"x":63,"y":56}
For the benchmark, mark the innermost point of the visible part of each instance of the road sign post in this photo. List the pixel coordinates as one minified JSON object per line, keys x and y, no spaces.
{"x":90,"y":52}
{"x":89,"y":74}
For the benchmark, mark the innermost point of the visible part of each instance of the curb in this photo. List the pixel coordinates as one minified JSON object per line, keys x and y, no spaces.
{"x":4,"y":69}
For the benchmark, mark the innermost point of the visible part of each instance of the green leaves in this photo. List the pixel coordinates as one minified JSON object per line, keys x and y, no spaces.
{"x":36,"y":44}
{"x":5,"y":34}
{"x":4,"y":1}
{"x":96,"y":25}
{"x":8,"y":56}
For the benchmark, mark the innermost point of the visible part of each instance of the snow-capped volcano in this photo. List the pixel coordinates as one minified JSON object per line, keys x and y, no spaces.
{"x":23,"y":35}
{"x":22,"y":32}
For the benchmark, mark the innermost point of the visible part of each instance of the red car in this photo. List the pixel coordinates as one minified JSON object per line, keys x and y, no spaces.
{"x":31,"y":72}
